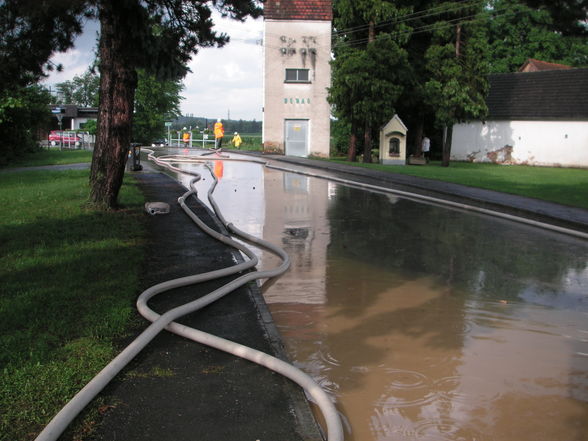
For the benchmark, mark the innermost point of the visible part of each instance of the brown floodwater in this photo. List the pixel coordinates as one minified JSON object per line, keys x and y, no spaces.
{"x":422,"y":322}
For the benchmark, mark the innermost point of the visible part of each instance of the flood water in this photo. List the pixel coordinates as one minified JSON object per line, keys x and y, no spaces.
{"x":422,"y":322}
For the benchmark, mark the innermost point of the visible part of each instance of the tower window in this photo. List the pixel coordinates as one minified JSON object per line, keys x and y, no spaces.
{"x":297,"y":76}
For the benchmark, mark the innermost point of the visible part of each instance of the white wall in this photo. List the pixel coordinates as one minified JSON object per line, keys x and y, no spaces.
{"x":549,"y":143}
{"x":77,"y":122}
{"x":291,"y":100}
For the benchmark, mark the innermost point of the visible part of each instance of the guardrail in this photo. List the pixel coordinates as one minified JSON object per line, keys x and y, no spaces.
{"x":192,"y":142}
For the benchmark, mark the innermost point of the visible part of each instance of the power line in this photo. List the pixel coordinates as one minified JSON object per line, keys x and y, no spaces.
{"x":426,"y":28}
{"x":406,"y":17}
{"x":473,"y":18}
{"x":430,"y":12}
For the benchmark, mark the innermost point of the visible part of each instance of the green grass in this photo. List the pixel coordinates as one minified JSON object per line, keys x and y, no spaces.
{"x":69,"y":279}
{"x":566,"y":186}
{"x":52,"y":157}
{"x":250,"y":142}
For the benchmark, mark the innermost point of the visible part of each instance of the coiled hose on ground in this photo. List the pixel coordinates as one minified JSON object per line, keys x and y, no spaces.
{"x":166,"y":321}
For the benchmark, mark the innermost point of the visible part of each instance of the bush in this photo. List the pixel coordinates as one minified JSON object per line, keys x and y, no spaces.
{"x":23,"y":113}
{"x":340,"y":132}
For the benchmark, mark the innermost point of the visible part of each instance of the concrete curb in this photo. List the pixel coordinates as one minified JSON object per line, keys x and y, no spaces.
{"x":534,"y":209}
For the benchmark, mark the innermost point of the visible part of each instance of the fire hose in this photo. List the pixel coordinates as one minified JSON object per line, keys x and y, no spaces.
{"x":167,"y":320}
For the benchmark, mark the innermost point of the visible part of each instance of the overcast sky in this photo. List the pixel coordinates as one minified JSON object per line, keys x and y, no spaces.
{"x":222,"y":80}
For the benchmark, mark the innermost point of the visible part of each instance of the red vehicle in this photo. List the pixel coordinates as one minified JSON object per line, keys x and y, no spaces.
{"x":57,"y":137}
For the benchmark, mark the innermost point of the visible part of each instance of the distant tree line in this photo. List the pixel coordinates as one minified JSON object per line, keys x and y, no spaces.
{"x":230,"y":125}
{"x":155,"y":101}
{"x":83,"y":90}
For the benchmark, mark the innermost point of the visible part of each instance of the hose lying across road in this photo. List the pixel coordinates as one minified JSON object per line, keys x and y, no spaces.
{"x":167,"y":320}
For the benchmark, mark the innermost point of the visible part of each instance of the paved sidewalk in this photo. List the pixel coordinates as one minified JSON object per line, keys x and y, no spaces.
{"x":179,"y":390}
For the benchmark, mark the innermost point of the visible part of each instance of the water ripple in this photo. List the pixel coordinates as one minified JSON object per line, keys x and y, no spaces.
{"x":406,"y":388}
{"x":444,"y":429}
{"x":403,"y":379}
{"x":328,"y":358}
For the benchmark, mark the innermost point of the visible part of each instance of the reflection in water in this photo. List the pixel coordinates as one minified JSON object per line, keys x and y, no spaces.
{"x":239,"y":192}
{"x":300,"y":227}
{"x":423,"y":323}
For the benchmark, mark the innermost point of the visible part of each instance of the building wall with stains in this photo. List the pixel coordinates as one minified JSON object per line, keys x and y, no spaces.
{"x":544,"y":143}
{"x":297,"y":45}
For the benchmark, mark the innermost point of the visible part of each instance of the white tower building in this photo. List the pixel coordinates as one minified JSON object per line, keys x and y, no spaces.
{"x":297,"y":51}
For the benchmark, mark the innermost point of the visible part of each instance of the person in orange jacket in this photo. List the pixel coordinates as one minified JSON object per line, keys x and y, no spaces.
{"x":219,"y":132}
{"x":186,"y":138}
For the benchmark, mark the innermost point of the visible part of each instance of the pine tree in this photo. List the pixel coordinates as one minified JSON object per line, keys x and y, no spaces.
{"x":30,"y":32}
{"x":368,"y":67}
{"x":159,"y":36}
{"x":457,"y":61}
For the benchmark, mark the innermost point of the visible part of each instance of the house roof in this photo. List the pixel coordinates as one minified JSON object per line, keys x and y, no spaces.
{"x":298,"y":10}
{"x":73,"y":111}
{"x":533,"y":65}
{"x":555,"y":94}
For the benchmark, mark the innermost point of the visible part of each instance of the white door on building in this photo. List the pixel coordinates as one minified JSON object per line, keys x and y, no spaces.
{"x":296,"y":134}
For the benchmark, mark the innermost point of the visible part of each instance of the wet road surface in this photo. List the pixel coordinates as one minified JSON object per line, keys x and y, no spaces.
{"x":424,"y":323}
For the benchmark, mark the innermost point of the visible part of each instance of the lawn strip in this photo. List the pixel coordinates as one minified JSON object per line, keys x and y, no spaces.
{"x":567,"y":186}
{"x":70,"y":275}
{"x":53,"y":156}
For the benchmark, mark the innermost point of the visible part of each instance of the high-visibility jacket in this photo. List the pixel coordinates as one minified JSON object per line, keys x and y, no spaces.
{"x":237,"y":140}
{"x":219,"y":130}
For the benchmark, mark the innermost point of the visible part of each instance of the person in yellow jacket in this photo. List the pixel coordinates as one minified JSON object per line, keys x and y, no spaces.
{"x":186,"y":138}
{"x":236,"y":141}
{"x":219,"y":132}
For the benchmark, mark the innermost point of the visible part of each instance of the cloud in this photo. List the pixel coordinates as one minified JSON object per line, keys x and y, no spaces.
{"x":227,"y":79}
{"x":76,"y":60}
{"x":222,"y":79}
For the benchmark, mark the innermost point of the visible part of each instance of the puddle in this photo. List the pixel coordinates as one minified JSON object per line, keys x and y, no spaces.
{"x":423,"y":323}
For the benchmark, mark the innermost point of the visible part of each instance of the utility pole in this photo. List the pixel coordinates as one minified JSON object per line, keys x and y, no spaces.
{"x":458,"y":40}
{"x":367,"y":133}
{"x":371,"y":31}
{"x":448,"y":130}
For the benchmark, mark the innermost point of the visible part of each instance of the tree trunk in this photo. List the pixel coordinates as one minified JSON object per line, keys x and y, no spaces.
{"x":447,"y":146}
{"x":118,"y":81}
{"x":352,"y":151}
{"x":367,"y":143}
{"x":418,"y":140}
